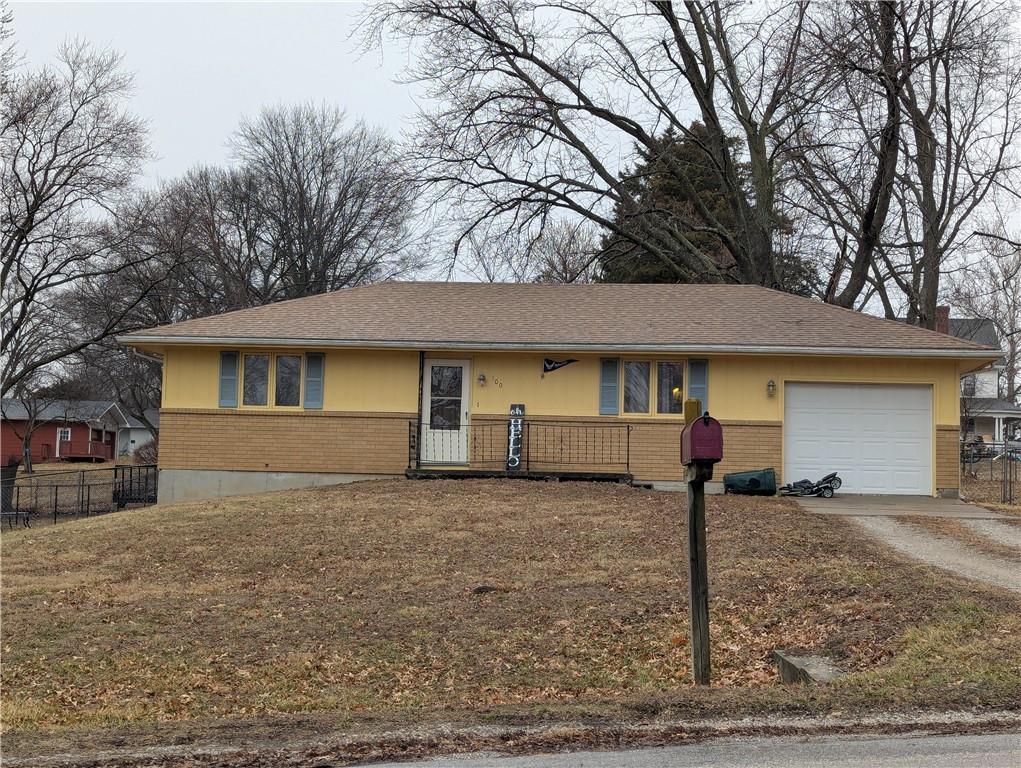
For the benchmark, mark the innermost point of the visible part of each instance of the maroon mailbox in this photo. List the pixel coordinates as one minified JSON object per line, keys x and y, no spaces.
{"x":702,"y":441}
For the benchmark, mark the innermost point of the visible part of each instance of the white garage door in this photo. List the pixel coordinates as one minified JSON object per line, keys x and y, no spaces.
{"x":878,"y":437}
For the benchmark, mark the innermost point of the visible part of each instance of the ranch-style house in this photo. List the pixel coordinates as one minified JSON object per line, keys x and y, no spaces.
{"x":420,"y":378}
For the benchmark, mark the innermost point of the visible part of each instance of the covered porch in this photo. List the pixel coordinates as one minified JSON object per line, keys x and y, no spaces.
{"x":992,"y":420}
{"x":518,"y":447}
{"x":98,"y":447}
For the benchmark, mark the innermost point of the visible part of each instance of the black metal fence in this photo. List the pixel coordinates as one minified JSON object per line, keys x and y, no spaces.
{"x":991,"y":472}
{"x":81,"y":493}
{"x":546,"y":446}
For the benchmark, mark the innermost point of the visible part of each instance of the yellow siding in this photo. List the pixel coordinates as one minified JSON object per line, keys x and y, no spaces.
{"x":371,"y":381}
{"x":190,"y":377}
{"x":354,"y":380}
{"x":518,"y":378}
{"x":381,"y":381}
{"x":737,"y":385}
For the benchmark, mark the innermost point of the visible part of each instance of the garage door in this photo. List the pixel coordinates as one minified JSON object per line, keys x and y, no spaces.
{"x":877,"y":436}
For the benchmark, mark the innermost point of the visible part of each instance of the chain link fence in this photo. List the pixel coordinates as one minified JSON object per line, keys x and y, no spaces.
{"x":990,"y":472}
{"x":76,"y":493}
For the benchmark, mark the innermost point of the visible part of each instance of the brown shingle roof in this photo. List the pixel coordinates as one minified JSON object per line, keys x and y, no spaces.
{"x":595,"y":316}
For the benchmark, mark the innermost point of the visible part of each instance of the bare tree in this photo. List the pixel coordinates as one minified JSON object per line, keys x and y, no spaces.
{"x":8,"y":53}
{"x":108,"y":372}
{"x":562,"y":252}
{"x":850,"y":144}
{"x":70,"y":152}
{"x":919,"y":126}
{"x":542,"y":107}
{"x":962,"y":108}
{"x":314,"y":204}
{"x":990,"y":287}
{"x":333,"y":200}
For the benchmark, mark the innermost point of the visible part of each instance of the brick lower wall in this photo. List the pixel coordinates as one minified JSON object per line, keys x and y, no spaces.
{"x":378,"y":443}
{"x":288,"y":442}
{"x":948,"y":457}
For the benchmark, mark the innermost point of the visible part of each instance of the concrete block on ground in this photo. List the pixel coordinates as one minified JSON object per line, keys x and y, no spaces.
{"x":805,"y":669}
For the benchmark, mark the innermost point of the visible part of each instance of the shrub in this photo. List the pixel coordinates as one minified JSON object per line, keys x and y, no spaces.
{"x":147,"y":453}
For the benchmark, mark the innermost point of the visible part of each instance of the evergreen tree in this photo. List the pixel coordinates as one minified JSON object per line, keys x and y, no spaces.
{"x":654,"y":184}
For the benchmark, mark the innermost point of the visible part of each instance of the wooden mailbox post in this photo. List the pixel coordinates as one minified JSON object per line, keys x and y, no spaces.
{"x":701,"y":448}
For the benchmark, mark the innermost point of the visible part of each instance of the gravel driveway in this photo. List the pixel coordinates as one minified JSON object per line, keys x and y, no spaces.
{"x":943,"y":553}
{"x":998,"y":530}
{"x":879,"y":516}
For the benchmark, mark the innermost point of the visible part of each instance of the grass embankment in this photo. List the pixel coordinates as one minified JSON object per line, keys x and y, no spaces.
{"x":355,"y":605}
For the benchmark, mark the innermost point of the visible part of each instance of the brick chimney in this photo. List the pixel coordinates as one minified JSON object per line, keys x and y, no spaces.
{"x":943,"y":319}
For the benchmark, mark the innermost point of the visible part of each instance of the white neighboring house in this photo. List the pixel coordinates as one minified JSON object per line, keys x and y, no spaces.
{"x":133,"y":436}
{"x":984,"y":413}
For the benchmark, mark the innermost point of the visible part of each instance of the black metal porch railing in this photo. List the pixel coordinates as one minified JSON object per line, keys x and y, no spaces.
{"x":546,"y":446}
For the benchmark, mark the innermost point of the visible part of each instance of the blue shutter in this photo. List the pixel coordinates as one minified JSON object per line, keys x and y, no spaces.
{"x":698,"y":381}
{"x":228,"y":379}
{"x":314,"y":364}
{"x":609,"y":379}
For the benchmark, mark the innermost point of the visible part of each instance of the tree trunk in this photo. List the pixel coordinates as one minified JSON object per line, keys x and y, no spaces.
{"x":878,"y":204}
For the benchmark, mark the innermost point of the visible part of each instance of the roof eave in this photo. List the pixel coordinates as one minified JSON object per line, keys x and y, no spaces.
{"x":231,"y":341}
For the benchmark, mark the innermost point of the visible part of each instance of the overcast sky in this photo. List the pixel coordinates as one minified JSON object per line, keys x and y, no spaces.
{"x":200,"y":67}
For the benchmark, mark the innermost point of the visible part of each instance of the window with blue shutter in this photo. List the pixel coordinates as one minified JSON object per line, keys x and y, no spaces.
{"x":314,"y":364}
{"x":228,"y":379}
{"x":698,"y":382}
{"x":609,"y":381}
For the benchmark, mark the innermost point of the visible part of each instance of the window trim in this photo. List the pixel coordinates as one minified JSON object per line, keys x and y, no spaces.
{"x":654,"y":362}
{"x":271,"y":384}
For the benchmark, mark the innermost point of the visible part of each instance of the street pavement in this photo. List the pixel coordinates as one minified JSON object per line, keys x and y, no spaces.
{"x":999,"y":750}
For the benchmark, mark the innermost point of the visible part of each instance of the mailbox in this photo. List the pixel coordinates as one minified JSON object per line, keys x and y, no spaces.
{"x":702,"y":441}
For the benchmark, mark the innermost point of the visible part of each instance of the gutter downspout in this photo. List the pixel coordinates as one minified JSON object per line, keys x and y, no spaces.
{"x":147,"y":355}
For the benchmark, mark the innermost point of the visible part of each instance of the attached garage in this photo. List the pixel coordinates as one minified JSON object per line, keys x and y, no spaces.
{"x":879,"y":437}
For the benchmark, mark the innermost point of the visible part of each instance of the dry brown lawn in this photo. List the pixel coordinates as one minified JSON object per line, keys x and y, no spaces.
{"x":357,"y":604}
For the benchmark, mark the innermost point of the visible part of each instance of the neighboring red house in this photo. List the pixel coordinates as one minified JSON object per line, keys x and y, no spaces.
{"x":65,"y":430}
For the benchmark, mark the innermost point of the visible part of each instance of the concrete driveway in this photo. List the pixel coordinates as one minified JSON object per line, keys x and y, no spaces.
{"x":877,"y":515}
{"x":895,"y":506}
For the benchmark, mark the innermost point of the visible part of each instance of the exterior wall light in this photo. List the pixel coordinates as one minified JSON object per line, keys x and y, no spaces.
{"x":771,"y":388}
{"x":482,"y":379}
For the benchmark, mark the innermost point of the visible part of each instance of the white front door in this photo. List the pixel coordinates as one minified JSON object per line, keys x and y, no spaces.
{"x":877,"y":437}
{"x":446,"y":398}
{"x":63,"y":435}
